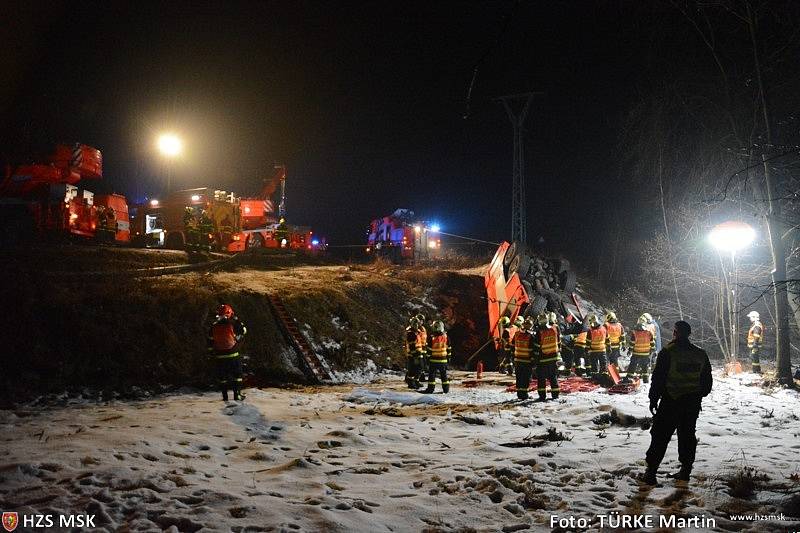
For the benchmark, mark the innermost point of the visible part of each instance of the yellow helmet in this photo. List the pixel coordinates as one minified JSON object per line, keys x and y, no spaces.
{"x":611,"y":316}
{"x":528,"y":324}
{"x":642,"y":321}
{"x":519,"y":321}
{"x":414,"y":322}
{"x":504,"y":321}
{"x":552,"y":317}
{"x":592,"y":319}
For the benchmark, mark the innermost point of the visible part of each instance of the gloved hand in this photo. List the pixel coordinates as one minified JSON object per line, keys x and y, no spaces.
{"x":653,"y":407}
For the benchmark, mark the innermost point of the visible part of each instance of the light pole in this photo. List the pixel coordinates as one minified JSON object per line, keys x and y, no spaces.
{"x":170,"y":146}
{"x":731,"y":237}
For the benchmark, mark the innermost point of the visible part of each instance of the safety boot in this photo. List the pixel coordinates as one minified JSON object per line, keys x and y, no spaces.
{"x":646,"y":378}
{"x":683,"y":474}
{"x":429,"y":390}
{"x":224,"y":396}
{"x":649,"y":477}
{"x":445,"y":388}
{"x":555,"y":395}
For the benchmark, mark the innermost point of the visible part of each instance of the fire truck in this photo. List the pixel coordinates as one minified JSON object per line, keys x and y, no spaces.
{"x":160,"y":223}
{"x":235,"y":224}
{"x":401,"y":238}
{"x":45,"y":200}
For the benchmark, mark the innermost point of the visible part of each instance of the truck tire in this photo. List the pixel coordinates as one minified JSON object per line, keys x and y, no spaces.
{"x":536,"y":306}
{"x":528,"y":289}
{"x":560,"y":265}
{"x":521,"y":265}
{"x":511,"y":253}
{"x":568,"y":280}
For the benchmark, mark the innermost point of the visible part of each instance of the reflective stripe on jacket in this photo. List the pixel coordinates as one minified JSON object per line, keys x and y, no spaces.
{"x":755,"y":336}
{"x":547,"y":343}
{"x":597,"y":339}
{"x":615,"y":334}
{"x":643,"y":343}
{"x":523,"y":346}
{"x":439,"y":348}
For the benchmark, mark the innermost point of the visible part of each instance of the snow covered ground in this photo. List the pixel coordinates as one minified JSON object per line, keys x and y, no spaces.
{"x":311,"y":460}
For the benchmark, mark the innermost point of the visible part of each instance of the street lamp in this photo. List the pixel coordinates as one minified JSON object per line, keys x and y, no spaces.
{"x":170,"y":146}
{"x":731,"y":237}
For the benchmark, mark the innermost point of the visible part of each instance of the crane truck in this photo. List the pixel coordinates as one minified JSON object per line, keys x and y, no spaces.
{"x":45,"y":200}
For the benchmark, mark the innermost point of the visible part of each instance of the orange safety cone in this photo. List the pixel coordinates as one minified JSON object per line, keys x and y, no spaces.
{"x":734,"y":367}
{"x":613,"y":372}
{"x":479,"y":370}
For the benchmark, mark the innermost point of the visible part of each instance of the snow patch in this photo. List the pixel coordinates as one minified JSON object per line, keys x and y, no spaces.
{"x":392,"y":397}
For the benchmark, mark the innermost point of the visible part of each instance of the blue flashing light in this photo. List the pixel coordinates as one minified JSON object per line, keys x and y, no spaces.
{"x":315,"y":242}
{"x":435,"y":228}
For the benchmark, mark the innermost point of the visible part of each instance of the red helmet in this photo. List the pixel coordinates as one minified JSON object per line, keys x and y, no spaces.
{"x":225,"y":310}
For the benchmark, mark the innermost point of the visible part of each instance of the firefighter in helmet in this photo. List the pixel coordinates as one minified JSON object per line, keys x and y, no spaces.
{"x":523,"y":348}
{"x":579,"y":345}
{"x":597,"y":346}
{"x":440,"y":352}
{"x":642,"y":344}
{"x":655,"y":329}
{"x":422,"y":346}
{"x":506,"y":335}
{"x":414,"y":356}
{"x":755,"y":337}
{"x":552,"y":320}
{"x":616,"y":337}
{"x":225,"y":338}
{"x":546,"y":351}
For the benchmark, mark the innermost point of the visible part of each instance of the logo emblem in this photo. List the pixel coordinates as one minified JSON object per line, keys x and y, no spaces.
{"x":10,"y":521}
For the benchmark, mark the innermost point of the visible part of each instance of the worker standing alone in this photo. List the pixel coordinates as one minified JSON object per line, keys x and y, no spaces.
{"x":755,"y":337}
{"x":440,"y":352}
{"x":225,"y":337}
{"x":681,"y":379}
{"x":547,"y":350}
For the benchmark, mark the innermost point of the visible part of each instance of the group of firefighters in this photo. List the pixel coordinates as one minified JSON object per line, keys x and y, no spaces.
{"x":547,"y":347}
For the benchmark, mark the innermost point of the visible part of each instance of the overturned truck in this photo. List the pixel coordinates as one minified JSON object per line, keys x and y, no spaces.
{"x":521,"y":284}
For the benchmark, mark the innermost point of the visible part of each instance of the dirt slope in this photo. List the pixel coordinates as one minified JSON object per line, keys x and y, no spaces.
{"x":114,"y":332}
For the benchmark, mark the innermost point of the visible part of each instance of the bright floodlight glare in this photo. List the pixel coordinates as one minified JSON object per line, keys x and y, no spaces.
{"x":435,"y":228}
{"x":731,"y":236}
{"x":169,"y":145}
{"x":154,"y":202}
{"x":195,"y":197}
{"x":417,"y":229}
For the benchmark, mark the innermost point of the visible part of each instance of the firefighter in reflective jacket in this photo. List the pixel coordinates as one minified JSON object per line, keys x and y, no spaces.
{"x":422,"y":347}
{"x":681,"y":379}
{"x":616,"y":336}
{"x":755,"y":337}
{"x":224,"y":340}
{"x":507,"y":331}
{"x":596,"y":339}
{"x":414,"y":356}
{"x":579,"y":349}
{"x":642,"y":345}
{"x":546,"y":349}
{"x":440,"y":352}
{"x":523,"y":348}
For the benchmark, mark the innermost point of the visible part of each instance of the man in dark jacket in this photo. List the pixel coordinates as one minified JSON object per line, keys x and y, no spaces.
{"x":224,"y":340}
{"x":681,"y":379}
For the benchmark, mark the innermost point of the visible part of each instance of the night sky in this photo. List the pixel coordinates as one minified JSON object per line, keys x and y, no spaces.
{"x":363,"y":101}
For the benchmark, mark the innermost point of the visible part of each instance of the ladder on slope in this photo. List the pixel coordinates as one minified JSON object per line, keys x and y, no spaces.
{"x":288,"y":324}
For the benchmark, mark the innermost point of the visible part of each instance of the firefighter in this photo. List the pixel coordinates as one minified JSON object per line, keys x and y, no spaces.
{"x":523,"y":347}
{"x":681,"y":379}
{"x":440,"y":352}
{"x":641,"y":346}
{"x":616,"y":337}
{"x":224,"y":341}
{"x":422,"y":347}
{"x":505,"y":365}
{"x":413,"y":355}
{"x":547,"y":350}
{"x":579,"y":348}
{"x":655,"y":329}
{"x":597,"y":346}
{"x":755,"y":337}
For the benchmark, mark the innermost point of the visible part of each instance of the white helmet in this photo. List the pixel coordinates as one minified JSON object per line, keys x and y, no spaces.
{"x":753,"y":315}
